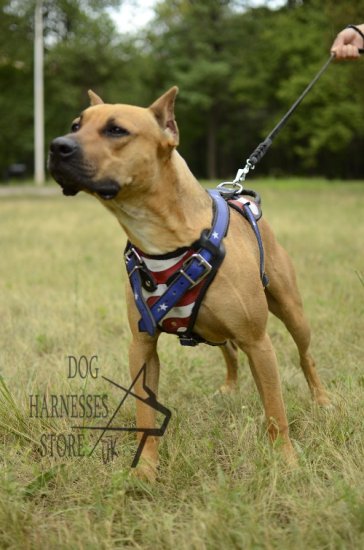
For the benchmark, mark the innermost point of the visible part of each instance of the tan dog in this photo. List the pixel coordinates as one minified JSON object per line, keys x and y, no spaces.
{"x":126,"y":157}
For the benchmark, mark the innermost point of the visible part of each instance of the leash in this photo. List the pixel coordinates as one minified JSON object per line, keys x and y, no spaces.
{"x":235,"y":187}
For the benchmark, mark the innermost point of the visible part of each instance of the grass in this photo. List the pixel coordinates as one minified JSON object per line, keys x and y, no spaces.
{"x":61,"y":294}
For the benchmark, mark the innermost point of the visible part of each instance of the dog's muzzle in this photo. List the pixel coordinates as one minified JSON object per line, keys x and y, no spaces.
{"x":67,"y":165}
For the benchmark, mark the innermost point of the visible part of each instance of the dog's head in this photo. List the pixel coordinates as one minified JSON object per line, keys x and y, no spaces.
{"x":113,"y":148}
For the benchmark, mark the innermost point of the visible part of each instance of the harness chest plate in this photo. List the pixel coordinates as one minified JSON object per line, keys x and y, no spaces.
{"x":162,"y":269}
{"x":169,"y":289}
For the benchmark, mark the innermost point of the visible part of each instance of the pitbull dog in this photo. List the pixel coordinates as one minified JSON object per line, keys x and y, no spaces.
{"x":126,"y":157}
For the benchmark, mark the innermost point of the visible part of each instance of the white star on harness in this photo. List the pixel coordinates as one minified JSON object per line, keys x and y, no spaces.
{"x":136,"y":296}
{"x":215,"y":235}
{"x":163,"y":307}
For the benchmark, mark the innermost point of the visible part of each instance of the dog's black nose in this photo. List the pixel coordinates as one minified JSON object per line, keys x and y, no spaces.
{"x":63,"y":147}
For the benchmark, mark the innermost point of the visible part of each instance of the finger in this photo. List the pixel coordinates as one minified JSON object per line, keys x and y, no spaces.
{"x":346,"y":52}
{"x":351,"y":52}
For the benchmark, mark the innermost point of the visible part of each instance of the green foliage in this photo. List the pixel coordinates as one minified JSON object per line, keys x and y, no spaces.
{"x":328,"y":121}
{"x":239,"y":68}
{"x":80,"y":51}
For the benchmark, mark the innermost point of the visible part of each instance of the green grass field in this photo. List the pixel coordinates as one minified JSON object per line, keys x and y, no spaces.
{"x":221,"y":486}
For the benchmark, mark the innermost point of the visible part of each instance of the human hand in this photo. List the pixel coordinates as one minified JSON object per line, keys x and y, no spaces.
{"x":347,"y":43}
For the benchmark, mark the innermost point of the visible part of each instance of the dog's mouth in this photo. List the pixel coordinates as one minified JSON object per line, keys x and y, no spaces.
{"x":67,"y":166}
{"x":69,"y":189}
{"x":105,"y":189}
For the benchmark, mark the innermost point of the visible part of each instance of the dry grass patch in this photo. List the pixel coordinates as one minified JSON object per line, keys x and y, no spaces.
{"x":61,"y":294}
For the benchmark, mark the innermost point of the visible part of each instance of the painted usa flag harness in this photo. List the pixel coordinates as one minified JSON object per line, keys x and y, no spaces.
{"x":168,"y":289}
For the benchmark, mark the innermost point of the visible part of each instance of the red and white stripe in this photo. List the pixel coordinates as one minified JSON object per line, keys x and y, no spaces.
{"x":177,"y":319}
{"x":242,"y":200}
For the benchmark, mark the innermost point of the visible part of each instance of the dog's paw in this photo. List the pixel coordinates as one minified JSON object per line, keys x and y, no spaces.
{"x":228,"y":389}
{"x":290,"y":457}
{"x":145,"y":471}
{"x":324,"y":402}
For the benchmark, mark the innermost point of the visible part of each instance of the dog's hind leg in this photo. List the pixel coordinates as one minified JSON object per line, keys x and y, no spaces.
{"x":284,"y":301}
{"x":230,"y":353}
{"x":263,"y":364}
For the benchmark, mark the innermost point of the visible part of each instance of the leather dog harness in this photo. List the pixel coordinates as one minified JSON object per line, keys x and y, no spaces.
{"x":168,"y":289}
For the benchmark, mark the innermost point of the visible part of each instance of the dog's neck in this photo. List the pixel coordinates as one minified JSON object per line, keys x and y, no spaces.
{"x":168,"y":214}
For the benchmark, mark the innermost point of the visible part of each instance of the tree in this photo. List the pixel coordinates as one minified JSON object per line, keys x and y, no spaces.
{"x":328,"y":122}
{"x":239,"y":68}
{"x":190,"y":42}
{"x":80,"y":50}
{"x":16,"y":90}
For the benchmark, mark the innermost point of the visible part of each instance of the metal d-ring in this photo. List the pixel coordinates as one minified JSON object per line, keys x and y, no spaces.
{"x":230,"y":188}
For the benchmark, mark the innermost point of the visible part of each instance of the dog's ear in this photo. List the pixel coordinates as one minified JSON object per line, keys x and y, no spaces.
{"x":163,"y":110}
{"x":94,"y":98}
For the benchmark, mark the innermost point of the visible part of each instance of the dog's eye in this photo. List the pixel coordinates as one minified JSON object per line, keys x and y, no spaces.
{"x":116,"y":131}
{"x":75,"y":127}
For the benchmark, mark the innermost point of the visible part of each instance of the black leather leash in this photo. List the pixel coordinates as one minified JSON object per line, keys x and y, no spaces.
{"x":263,"y":147}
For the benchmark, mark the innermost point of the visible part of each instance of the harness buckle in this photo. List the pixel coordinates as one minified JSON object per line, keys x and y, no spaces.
{"x":130,"y":252}
{"x":146,"y":277}
{"x":203,"y":262}
{"x":128,"y":256}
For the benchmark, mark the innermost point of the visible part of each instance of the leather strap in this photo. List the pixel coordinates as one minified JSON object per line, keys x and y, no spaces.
{"x":134,"y":264}
{"x":197,"y":267}
{"x":251,"y":219}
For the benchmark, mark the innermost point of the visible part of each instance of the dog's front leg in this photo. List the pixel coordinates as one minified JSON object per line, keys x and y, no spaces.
{"x":143,"y":352}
